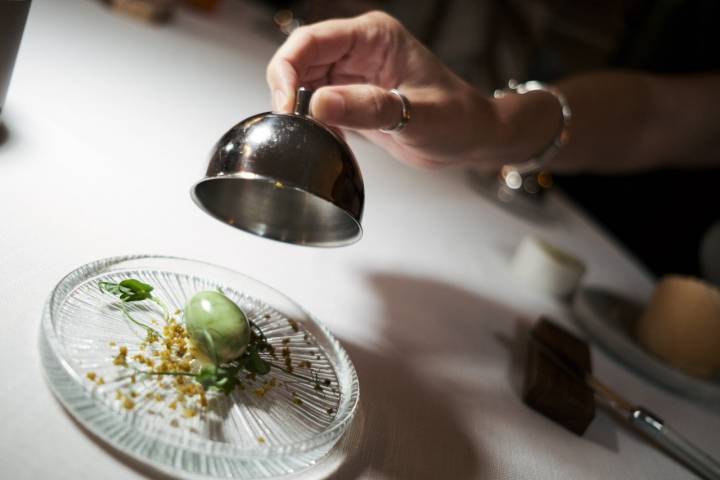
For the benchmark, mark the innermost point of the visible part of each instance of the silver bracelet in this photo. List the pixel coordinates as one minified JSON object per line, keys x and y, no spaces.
{"x":538,"y":161}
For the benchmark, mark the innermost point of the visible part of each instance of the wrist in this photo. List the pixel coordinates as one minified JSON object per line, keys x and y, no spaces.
{"x":527,"y":125}
{"x":489,"y":133}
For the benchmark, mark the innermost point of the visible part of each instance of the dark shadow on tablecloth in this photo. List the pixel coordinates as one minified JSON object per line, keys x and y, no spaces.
{"x":406,"y":430}
{"x":411,"y":431}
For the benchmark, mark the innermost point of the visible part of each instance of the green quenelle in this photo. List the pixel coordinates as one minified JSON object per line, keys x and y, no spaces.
{"x":217,"y":326}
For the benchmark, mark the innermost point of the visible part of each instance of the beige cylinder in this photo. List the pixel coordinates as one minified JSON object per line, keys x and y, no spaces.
{"x":681,"y":325}
{"x":546,"y":268}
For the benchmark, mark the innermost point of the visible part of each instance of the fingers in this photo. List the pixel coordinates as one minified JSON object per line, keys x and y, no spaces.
{"x":303,"y":55}
{"x":313,"y":53}
{"x":360,"y":107}
{"x":366,"y":108}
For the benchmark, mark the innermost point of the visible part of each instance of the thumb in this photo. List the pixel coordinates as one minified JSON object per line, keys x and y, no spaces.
{"x":361,"y":107}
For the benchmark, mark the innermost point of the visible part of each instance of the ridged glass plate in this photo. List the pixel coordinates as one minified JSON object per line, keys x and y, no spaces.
{"x":247,"y":435}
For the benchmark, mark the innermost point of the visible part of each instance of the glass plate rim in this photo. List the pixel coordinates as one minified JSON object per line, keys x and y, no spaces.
{"x":260,"y":452}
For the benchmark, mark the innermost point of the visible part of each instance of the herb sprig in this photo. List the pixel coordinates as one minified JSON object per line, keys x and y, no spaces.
{"x":131,"y":290}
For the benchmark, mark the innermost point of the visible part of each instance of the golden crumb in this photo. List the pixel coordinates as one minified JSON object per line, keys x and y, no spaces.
{"x":261,"y":439}
{"x":91,"y":376}
{"x":128,"y":404}
{"x":121,"y":358}
{"x":189,"y":412}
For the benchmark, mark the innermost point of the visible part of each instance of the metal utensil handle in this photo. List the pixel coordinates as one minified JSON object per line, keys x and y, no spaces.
{"x":302,"y":101}
{"x":692,"y":456}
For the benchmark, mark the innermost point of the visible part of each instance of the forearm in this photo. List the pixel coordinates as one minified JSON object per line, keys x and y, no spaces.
{"x":621,"y":122}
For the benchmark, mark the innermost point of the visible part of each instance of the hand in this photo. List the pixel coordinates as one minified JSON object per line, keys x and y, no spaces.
{"x":353,"y":63}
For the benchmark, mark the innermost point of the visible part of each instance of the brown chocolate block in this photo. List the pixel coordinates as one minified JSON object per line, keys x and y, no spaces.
{"x":552,"y":390}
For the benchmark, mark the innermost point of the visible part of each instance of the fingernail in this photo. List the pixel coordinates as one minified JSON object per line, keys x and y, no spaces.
{"x":279,"y":101}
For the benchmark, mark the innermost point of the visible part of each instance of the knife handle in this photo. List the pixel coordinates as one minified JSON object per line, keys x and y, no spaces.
{"x":695,"y":458}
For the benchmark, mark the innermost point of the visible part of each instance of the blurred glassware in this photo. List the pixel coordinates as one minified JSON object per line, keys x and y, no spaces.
{"x":154,"y":11}
{"x":13,"y":14}
{"x":292,"y":14}
{"x":285,"y":21}
{"x":522,"y":194}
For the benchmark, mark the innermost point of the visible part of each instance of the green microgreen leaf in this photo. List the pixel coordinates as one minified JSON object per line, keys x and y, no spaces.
{"x":128,"y":290}
{"x":219,"y":378}
{"x":131,"y":290}
{"x":207,"y":376}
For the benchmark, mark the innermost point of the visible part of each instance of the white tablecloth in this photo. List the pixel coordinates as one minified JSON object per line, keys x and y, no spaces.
{"x":109,"y":122}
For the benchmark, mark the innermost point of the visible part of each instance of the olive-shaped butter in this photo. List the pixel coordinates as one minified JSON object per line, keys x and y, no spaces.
{"x":217,"y":326}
